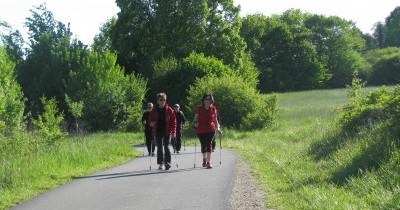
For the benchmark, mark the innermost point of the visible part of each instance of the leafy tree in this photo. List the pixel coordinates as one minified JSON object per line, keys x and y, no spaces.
{"x":12,"y":41}
{"x":379,"y":35}
{"x":147,"y":31}
{"x":338,"y":43}
{"x":253,"y":29}
{"x":11,"y":96}
{"x":280,"y":47}
{"x":111,"y":99}
{"x":102,"y":41}
{"x":392,"y":28}
{"x":45,"y":66}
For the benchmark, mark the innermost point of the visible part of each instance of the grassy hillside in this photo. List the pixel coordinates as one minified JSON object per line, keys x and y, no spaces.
{"x":307,"y":162}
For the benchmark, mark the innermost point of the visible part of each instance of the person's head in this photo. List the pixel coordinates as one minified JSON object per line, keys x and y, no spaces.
{"x":161,"y":99}
{"x":149,"y":106}
{"x":176,"y":107}
{"x":207,"y":100}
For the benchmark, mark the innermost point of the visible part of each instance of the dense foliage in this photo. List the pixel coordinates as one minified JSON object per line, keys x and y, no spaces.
{"x":239,"y":105}
{"x":381,"y":105}
{"x":110,"y":98}
{"x":297,"y":51}
{"x":11,"y":97}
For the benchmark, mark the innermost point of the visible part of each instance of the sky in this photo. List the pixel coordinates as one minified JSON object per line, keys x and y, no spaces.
{"x":87,"y":16}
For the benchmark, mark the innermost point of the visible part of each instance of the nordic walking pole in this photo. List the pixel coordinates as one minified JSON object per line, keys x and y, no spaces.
{"x":220,"y":148}
{"x":144,"y":143}
{"x":195,"y":143}
{"x":151,"y":154}
{"x":184,"y":148}
{"x":176,"y":160}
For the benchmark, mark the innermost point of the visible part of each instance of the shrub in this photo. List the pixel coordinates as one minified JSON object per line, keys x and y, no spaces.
{"x":11,"y":97}
{"x":381,"y":105}
{"x":112,"y":100}
{"x":174,"y":77}
{"x":386,"y":72}
{"x":48,"y":122}
{"x":239,"y":105}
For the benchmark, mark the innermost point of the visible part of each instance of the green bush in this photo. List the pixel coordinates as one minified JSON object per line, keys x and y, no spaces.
{"x":381,"y":105}
{"x":11,"y":97}
{"x":112,"y":100}
{"x":239,"y":105}
{"x":175,"y":76}
{"x":49,"y":122}
{"x":386,"y":72}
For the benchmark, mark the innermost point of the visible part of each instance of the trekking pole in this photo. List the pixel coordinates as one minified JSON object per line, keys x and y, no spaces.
{"x":144,"y":143}
{"x":220,"y":148}
{"x":184,"y":148}
{"x":151,"y":154}
{"x":176,"y":160}
{"x":195,"y":143}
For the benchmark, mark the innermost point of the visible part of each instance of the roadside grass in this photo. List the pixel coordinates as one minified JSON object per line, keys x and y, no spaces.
{"x":45,"y":167}
{"x":306,"y":162}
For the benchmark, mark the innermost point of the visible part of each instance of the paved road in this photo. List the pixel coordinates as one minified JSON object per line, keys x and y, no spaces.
{"x":134,"y":186}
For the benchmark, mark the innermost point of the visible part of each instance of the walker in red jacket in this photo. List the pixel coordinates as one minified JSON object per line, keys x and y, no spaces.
{"x":163,"y":123}
{"x":206,"y":123}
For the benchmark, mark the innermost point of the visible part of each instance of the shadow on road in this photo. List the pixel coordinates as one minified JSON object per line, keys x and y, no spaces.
{"x":135,"y":173}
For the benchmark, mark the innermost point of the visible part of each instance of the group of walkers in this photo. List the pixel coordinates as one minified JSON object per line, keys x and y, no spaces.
{"x":164,"y":125}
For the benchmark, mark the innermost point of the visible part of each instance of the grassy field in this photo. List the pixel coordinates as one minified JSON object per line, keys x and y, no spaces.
{"x":25,"y":176}
{"x":305,"y":162}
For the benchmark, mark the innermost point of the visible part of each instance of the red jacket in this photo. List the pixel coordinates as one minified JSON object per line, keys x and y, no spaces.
{"x":206,"y":119}
{"x":170,"y":120}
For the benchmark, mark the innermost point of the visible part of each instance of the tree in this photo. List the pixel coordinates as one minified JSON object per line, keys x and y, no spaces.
{"x":111,"y":99}
{"x":147,"y":31}
{"x":102,"y":41}
{"x":45,"y":67}
{"x":12,"y":41}
{"x":392,"y":28}
{"x":253,"y":29}
{"x":338,"y":43}
{"x":280,"y":47}
{"x":379,"y":35}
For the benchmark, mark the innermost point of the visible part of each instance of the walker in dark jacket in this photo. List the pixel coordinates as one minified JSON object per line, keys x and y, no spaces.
{"x":163,"y":123}
{"x":180,"y":121}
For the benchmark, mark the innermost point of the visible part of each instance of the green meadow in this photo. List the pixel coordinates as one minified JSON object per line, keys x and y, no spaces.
{"x":306,"y":162}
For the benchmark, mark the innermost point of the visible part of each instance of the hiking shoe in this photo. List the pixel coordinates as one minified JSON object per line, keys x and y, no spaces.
{"x":204,"y":162}
{"x":209,"y":166}
{"x":178,"y":151}
{"x":160,"y":167}
{"x":167,"y":166}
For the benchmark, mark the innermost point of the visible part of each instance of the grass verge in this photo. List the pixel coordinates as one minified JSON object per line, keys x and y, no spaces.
{"x":42,"y":168}
{"x":307,"y":162}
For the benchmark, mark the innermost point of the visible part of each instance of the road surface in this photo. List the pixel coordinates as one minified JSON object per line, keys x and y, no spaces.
{"x":134,"y":186}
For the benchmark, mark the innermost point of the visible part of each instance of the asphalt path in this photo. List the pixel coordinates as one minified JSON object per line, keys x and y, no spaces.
{"x":134,"y":185}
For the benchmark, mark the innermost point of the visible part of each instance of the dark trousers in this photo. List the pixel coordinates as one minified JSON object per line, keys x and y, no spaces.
{"x":206,"y":141}
{"x":177,"y":142}
{"x":150,"y":146}
{"x":163,"y":153}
